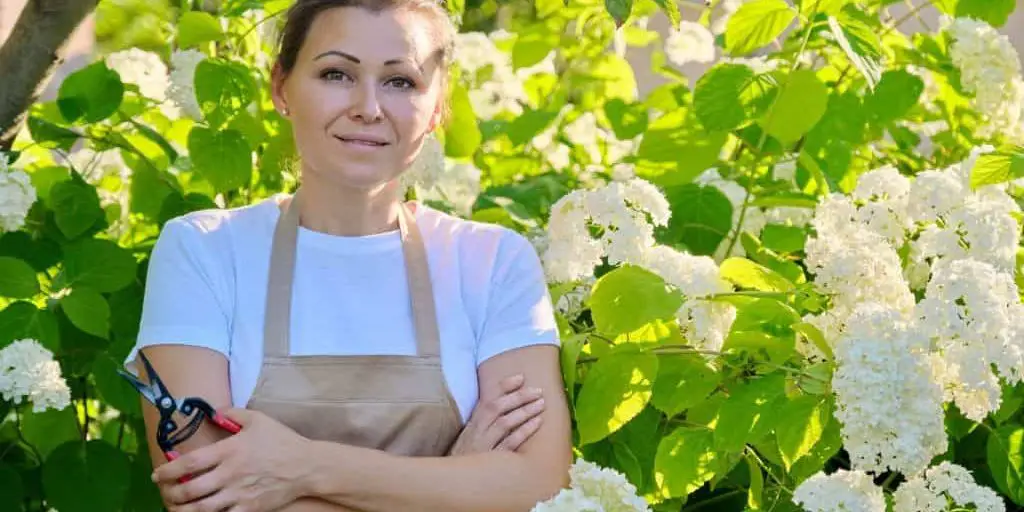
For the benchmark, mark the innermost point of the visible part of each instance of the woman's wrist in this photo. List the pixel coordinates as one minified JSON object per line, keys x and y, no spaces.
{"x":318,"y":463}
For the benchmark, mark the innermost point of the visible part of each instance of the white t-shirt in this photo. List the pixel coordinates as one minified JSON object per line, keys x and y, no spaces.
{"x":207,"y":282}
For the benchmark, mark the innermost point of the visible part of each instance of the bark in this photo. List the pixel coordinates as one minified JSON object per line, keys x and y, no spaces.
{"x":31,"y":55}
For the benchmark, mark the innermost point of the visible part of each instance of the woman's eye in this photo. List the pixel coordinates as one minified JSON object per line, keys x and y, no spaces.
{"x":332,"y":74}
{"x":401,"y":83}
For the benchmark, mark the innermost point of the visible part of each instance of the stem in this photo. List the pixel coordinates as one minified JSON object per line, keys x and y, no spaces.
{"x":711,"y":501}
{"x":120,"y":432}
{"x":85,"y":409}
{"x":768,"y":470}
{"x":21,"y":436}
{"x":888,"y":480}
{"x":914,"y":11}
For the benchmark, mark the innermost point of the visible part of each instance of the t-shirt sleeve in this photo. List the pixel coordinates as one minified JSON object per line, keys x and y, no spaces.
{"x":185,"y":301}
{"x":519,"y":311}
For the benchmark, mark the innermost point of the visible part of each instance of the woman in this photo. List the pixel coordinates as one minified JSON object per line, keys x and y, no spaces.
{"x":353,"y":333}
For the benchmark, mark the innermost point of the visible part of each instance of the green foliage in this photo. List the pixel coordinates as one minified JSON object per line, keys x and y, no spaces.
{"x":735,"y":423}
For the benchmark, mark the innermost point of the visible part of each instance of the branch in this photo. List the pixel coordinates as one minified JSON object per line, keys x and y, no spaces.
{"x":31,"y":55}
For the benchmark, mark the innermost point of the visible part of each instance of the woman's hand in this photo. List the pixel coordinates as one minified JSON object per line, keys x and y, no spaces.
{"x":504,"y":423}
{"x":260,"y":468}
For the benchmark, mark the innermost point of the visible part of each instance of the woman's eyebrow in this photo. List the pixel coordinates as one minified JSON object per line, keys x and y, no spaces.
{"x":354,"y":59}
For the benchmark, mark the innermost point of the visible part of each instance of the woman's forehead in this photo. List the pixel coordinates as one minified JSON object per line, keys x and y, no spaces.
{"x":373,"y":37}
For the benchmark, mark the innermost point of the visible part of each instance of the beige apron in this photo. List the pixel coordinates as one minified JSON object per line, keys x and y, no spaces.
{"x":395,"y":403}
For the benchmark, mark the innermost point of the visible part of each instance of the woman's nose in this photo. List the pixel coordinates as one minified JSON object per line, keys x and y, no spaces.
{"x":365,"y":105}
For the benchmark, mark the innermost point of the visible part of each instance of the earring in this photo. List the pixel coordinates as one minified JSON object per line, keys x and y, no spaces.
{"x":286,"y":111}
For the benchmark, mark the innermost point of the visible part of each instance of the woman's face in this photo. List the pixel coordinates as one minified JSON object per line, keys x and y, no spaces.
{"x":363,"y":94}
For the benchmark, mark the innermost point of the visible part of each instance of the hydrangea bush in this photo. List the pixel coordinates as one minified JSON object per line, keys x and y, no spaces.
{"x":788,"y":281}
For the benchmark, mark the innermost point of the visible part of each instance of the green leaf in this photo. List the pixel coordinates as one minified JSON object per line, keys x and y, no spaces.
{"x":684,"y":380}
{"x":747,"y":410}
{"x":829,"y":444}
{"x":861,"y":45}
{"x":90,"y":94}
{"x":1005,"y":164}
{"x":88,"y":310}
{"x":747,"y":274}
{"x":817,"y":338}
{"x":533,"y":45}
{"x":685,"y":460}
{"x":49,"y":429}
{"x":677,"y":148}
{"x":805,"y":419}
{"x":718,"y":96}
{"x":223,"y":89}
{"x":627,"y":119}
{"x":617,"y":388}
{"x":115,"y":390}
{"x":784,"y":239}
{"x":671,"y":10}
{"x":755,"y":494}
{"x":830,"y":7}
{"x":197,"y":27}
{"x":897,"y":93}
{"x":799,"y":106}
{"x":701,"y":217}
{"x":99,"y":264}
{"x":1005,"y":459}
{"x":528,"y":125}
{"x":86,"y":477}
{"x":619,"y":10}
{"x":462,"y":134}
{"x":569,"y":355}
{"x":45,"y":133}
{"x":22,"y":320}
{"x":18,"y":279}
{"x":222,"y":158}
{"x":11,"y":489}
{"x":629,"y":297}
{"x":76,"y":207}
{"x":995,"y":12}
{"x":756,"y":24}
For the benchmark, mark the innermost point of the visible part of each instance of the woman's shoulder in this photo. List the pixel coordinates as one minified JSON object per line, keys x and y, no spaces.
{"x":221,"y":225}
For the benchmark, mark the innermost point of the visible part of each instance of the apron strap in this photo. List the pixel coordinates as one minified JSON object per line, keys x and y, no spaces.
{"x":277,"y":319}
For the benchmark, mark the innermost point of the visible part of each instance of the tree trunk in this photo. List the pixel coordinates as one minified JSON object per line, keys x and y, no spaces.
{"x":31,"y":55}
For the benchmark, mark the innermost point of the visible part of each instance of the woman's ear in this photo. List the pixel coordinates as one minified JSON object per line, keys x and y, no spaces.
{"x":277,"y":79}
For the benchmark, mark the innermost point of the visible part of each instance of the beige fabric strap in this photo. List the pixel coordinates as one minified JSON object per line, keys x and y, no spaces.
{"x":277,"y":321}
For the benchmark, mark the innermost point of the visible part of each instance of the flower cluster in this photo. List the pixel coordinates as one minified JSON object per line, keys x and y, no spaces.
{"x":496,"y":87}
{"x":889,"y":405}
{"x":932,"y":491}
{"x":971,"y":311}
{"x":182,"y":90}
{"x":144,"y":69}
{"x":594,"y":489}
{"x":690,"y":42}
{"x":847,"y":491}
{"x":17,"y":195}
{"x":623,"y":213}
{"x":28,"y":372}
{"x":990,"y":69}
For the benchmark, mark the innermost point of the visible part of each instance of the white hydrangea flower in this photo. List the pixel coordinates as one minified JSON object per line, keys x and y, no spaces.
{"x":569,"y":500}
{"x":17,"y":195}
{"x":458,"y":184}
{"x":182,"y":90}
{"x":426,"y":170}
{"x":759,"y":65}
{"x":930,"y":492}
{"x":990,"y":69}
{"x":142,"y":68}
{"x":729,"y":7}
{"x":626,"y":212}
{"x":28,"y":372}
{"x":852,"y":263}
{"x":887,"y":400}
{"x":690,"y":42}
{"x":970,"y":311}
{"x":704,"y":323}
{"x":606,"y":486}
{"x":842,"y":491}
{"x":494,"y":86}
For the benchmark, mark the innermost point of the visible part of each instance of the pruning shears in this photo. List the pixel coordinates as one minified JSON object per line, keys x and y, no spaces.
{"x":197,"y":410}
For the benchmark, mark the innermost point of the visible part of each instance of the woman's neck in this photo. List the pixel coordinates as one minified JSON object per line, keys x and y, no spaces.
{"x":344,"y":211}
